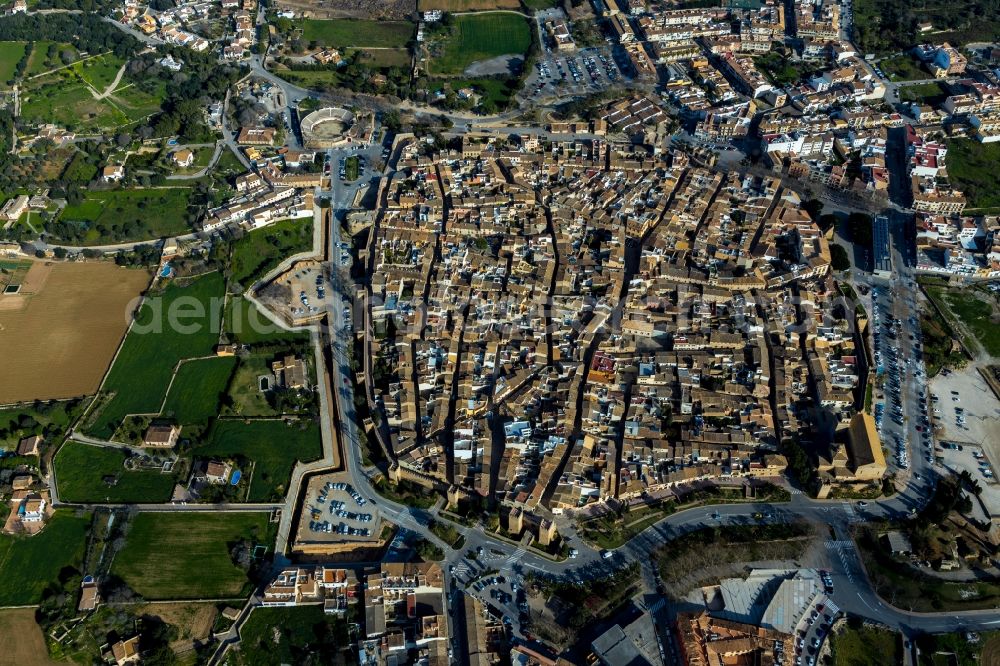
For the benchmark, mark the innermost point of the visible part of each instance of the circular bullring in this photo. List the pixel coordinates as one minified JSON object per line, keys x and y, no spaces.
{"x":327,"y":127}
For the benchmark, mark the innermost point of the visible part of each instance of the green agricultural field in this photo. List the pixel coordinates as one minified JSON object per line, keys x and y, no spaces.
{"x":139,"y":378}
{"x":117,"y":216}
{"x":10,"y":54}
{"x":99,"y":72}
{"x":260,"y":251}
{"x":29,"y":564}
{"x":246,"y":325}
{"x":82,"y":468}
{"x":972,"y":167}
{"x":302,"y":631}
{"x":271,"y":445}
{"x":197,"y":387}
{"x":339,"y":33}
{"x":480,"y":37}
{"x":188,"y":555}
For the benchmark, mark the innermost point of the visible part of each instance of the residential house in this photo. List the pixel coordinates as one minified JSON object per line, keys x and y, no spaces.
{"x":183,"y":158}
{"x":161,"y":436}
{"x":217,"y":471}
{"x":29,"y":446}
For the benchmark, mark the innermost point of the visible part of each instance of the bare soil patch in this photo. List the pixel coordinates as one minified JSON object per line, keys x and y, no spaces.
{"x":24,"y":644}
{"x":60,"y":344}
{"x":371,"y":9}
{"x":193,"y":621}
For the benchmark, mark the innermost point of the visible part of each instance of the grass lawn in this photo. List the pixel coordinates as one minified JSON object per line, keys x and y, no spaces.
{"x":153,"y":347}
{"x":351,"y":168}
{"x":228,"y":164}
{"x":118,"y":216}
{"x":29,"y":564}
{"x":39,"y":61}
{"x":187,"y":556}
{"x":245,"y":398}
{"x":320,"y":79}
{"x":538,"y":5}
{"x":99,"y":72}
{"x":480,"y":37}
{"x":381,"y":57}
{"x":245,"y":324}
{"x":923,"y":93}
{"x":972,"y":167}
{"x":271,"y":445}
{"x":903,"y":68}
{"x":67,"y":102}
{"x":304,"y":631}
{"x":974,"y":309}
{"x":348,"y":32}
{"x":194,"y":395}
{"x":866,"y":647}
{"x":260,"y":251}
{"x":136,"y":103}
{"x":54,"y":415}
{"x":497,"y":92}
{"x":10,"y":54}
{"x":81,"y":468}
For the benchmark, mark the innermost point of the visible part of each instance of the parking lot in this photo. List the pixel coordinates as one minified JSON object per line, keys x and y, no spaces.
{"x":559,"y":74}
{"x":903,"y":381}
{"x":971,"y":458}
{"x":966,"y":410}
{"x":335,"y":512}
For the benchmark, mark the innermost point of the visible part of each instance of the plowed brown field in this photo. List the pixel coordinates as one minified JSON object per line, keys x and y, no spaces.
{"x":60,"y":337}
{"x":24,"y":644}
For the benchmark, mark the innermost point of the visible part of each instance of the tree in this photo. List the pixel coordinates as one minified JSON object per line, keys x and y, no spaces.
{"x":813,"y":207}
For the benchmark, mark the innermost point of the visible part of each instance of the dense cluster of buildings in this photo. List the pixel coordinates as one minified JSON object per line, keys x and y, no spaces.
{"x":561,"y":322}
{"x":405,"y":619}
{"x":185,"y":23}
{"x":759,"y":619}
{"x":277,"y":190}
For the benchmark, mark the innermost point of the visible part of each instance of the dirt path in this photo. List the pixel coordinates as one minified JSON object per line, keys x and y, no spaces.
{"x":114,"y":84}
{"x":111,"y":86}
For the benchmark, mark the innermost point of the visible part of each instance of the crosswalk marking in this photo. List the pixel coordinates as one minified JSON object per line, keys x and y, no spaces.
{"x":517,"y":554}
{"x":657,"y":605}
{"x":836,"y":545}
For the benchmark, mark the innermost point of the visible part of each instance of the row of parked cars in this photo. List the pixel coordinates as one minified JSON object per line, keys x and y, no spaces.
{"x":341,"y":528}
